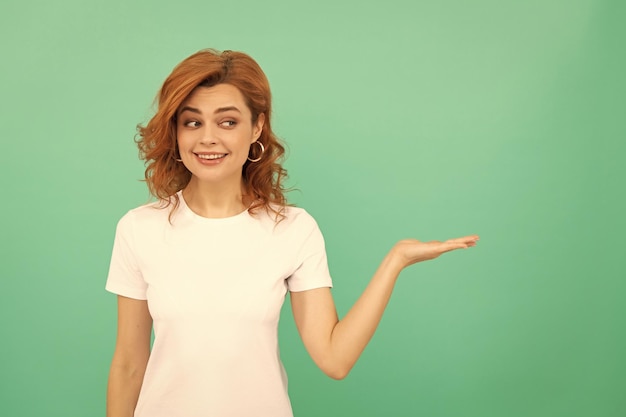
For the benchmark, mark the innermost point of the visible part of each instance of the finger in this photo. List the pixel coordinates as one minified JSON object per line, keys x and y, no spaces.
{"x":465,"y":239}
{"x":450,"y":246}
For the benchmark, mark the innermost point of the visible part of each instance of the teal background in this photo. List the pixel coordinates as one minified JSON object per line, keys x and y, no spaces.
{"x":425,"y":119}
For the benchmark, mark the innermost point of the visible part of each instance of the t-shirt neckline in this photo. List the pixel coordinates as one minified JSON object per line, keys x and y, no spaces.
{"x":212,"y":220}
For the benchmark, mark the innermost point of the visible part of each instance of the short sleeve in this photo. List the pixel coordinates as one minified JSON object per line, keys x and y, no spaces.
{"x":312,"y":264}
{"x":125,"y":277}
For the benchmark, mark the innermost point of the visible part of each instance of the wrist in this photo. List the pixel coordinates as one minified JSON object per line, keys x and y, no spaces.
{"x":395,"y":261}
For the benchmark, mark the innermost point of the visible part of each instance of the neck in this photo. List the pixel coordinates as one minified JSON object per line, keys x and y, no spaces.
{"x":214,"y":200}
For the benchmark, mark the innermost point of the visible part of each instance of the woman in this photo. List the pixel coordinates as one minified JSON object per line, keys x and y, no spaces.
{"x":210,"y":263}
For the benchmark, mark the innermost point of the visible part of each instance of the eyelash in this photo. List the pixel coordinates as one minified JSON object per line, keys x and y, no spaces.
{"x":232,"y":123}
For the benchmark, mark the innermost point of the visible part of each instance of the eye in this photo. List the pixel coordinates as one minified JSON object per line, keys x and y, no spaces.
{"x":192,"y":123}
{"x":228,"y":123}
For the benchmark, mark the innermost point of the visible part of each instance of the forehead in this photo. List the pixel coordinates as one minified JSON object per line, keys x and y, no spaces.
{"x":208,"y":99}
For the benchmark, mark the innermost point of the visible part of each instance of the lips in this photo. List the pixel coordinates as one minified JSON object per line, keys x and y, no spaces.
{"x":211,"y":156}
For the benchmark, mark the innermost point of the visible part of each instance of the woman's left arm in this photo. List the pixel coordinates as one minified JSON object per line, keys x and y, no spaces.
{"x":335,"y":345}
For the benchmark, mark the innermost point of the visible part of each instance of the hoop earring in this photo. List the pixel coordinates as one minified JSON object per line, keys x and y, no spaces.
{"x":262,"y":150}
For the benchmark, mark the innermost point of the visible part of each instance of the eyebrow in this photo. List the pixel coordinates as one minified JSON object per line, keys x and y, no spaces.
{"x":218,"y":110}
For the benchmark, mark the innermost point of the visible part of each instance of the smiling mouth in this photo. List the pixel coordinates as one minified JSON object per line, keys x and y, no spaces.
{"x":211,"y":156}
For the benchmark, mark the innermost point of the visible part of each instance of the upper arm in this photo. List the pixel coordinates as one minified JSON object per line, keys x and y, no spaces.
{"x":315,"y":316}
{"x":134,"y":329}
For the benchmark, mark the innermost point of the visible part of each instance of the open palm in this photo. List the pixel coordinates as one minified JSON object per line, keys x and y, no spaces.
{"x":412,"y":251}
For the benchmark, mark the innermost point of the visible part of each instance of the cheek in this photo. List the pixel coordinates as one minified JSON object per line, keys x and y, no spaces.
{"x":183,"y":140}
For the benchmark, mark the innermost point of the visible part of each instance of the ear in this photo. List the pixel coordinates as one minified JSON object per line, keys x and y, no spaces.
{"x":258,"y":127}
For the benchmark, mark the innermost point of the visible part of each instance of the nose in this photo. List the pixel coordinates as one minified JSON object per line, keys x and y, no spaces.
{"x":209,"y":136}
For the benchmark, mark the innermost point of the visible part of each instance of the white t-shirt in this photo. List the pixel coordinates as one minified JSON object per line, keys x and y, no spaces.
{"x":215,"y":288}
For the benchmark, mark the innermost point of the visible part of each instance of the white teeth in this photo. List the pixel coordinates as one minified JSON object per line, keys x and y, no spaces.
{"x":212,"y":156}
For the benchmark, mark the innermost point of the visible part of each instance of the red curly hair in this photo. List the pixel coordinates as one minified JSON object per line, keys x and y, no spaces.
{"x":157,"y":140}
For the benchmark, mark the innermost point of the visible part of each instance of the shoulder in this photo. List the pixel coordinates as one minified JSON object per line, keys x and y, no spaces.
{"x":289,"y":214}
{"x":293,"y":221}
{"x":145,"y":214}
{"x":298,"y":214}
